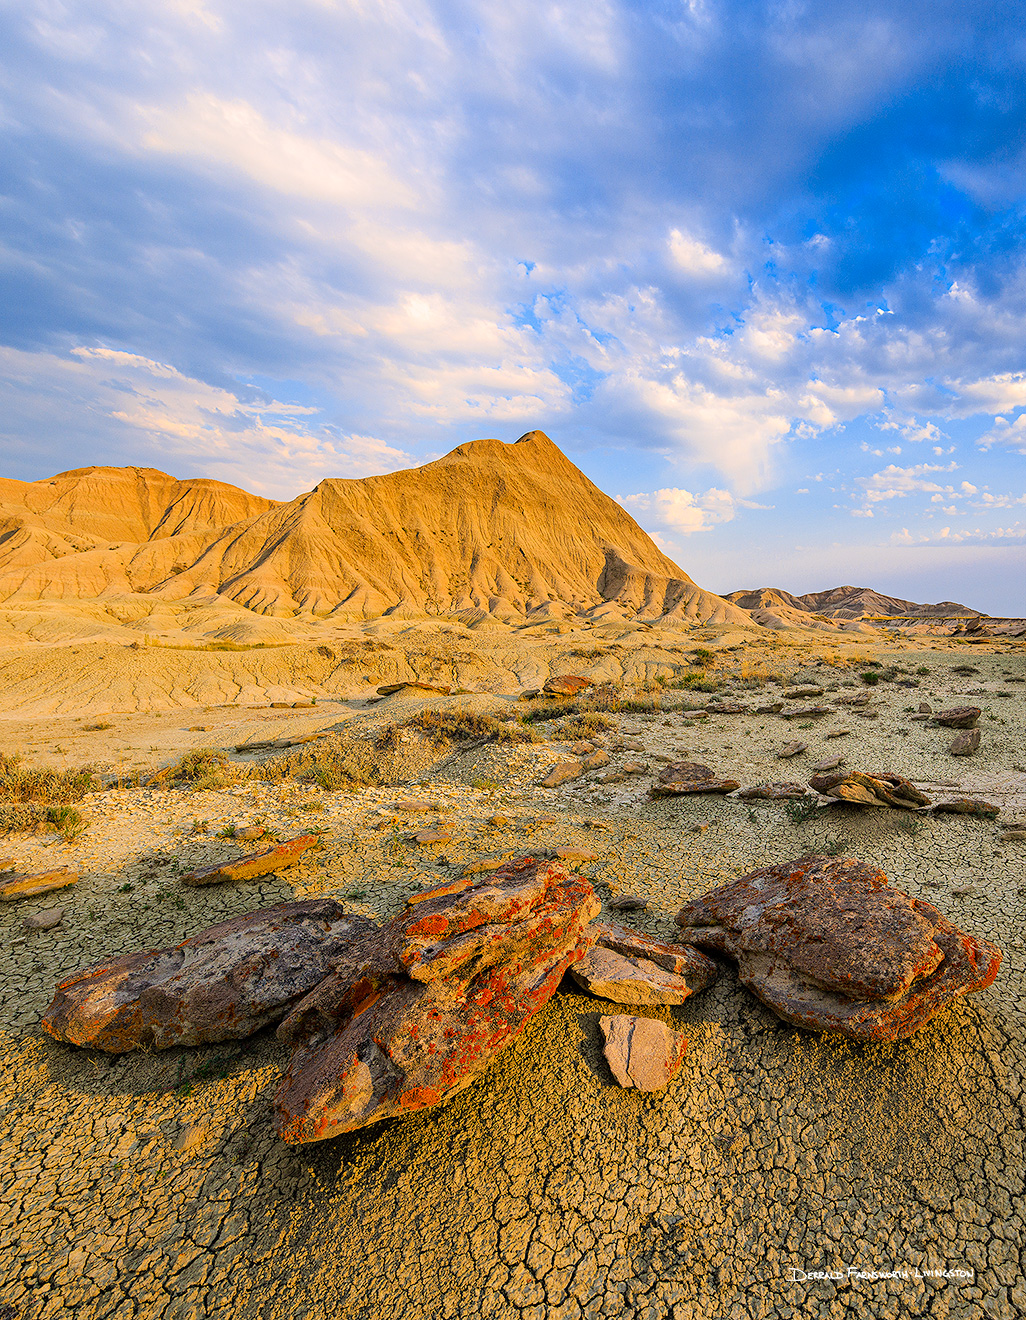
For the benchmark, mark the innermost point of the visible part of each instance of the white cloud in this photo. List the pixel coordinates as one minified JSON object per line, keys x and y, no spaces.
{"x":151,"y":414}
{"x":693,"y":257}
{"x":679,"y":512}
{"x":1004,"y":432}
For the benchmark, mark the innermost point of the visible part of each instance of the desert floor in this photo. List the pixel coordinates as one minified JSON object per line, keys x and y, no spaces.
{"x":154,"y":1185}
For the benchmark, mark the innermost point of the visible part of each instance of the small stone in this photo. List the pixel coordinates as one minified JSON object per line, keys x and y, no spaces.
{"x":798,"y":693}
{"x":642,"y":1053}
{"x":562,"y":772}
{"x":414,"y":805}
{"x":726,"y":708}
{"x":250,"y":832}
{"x":1013,"y":835}
{"x":966,"y":806}
{"x":599,"y":757}
{"x":790,"y":749}
{"x":868,"y":714}
{"x":685,"y":777}
{"x":634,"y":768}
{"x":433,"y":836}
{"x":959,"y":717}
{"x":962,"y":891}
{"x":485,"y":864}
{"x":529,"y":694}
{"x":634,"y":903}
{"x":576,"y":855}
{"x":774,"y":708}
{"x":838,"y":733}
{"x":499,"y":822}
{"x":45,"y":920}
{"x":965,"y":742}
{"x":806,"y":713}
{"x":925,"y":708}
{"x":664,"y":760}
{"x":582,"y":748}
{"x":830,"y":763}
{"x":630,"y":745}
{"x":28,"y":886}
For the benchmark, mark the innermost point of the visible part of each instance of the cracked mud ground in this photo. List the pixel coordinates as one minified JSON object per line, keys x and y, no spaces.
{"x":153,"y":1186}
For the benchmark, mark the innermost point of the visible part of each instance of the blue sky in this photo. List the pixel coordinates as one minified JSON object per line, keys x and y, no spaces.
{"x":757,"y":268}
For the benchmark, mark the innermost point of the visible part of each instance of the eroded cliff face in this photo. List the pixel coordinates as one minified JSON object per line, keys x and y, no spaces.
{"x":506,"y":529}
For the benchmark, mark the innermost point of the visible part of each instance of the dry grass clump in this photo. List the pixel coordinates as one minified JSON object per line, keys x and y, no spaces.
{"x":583,"y":726}
{"x":341,"y":763}
{"x":443,"y":726}
{"x":202,"y":768}
{"x":34,"y":800}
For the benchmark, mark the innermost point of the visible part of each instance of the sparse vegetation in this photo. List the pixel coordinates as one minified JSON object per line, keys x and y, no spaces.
{"x":800,"y":810}
{"x":870,"y":677}
{"x":459,"y":726}
{"x":703,"y":657}
{"x":33,"y":800}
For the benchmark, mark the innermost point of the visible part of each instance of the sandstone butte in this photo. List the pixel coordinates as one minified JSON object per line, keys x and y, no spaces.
{"x":827,"y":944}
{"x":491,"y":527}
{"x":417,"y":1011}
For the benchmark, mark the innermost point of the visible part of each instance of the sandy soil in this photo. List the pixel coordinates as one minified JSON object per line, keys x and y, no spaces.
{"x":153,"y":1185}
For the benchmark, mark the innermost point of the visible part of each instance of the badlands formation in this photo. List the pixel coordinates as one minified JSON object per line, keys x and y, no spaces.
{"x":745,"y":1037}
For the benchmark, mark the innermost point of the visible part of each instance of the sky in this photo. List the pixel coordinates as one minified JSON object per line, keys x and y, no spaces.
{"x":759,"y":269}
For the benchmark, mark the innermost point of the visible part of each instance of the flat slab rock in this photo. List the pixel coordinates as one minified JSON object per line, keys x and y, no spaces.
{"x":222,"y":984}
{"x":254,"y":864}
{"x":642,"y":1052}
{"x":827,"y":944}
{"x":967,"y":806}
{"x":566,"y":685}
{"x":690,"y":777}
{"x":959,"y":717}
{"x":417,"y":1012}
{"x":630,"y":968}
{"x":16,"y":886}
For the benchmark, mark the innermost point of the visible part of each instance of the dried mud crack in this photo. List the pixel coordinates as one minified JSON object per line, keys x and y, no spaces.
{"x":152,"y":1184}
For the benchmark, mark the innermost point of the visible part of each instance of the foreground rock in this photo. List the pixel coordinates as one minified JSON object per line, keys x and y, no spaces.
{"x":561,"y":773}
{"x":643,"y":1053}
{"x":255,"y":864}
{"x":418,"y":1011}
{"x":28,"y":886}
{"x":881,"y":790}
{"x":959,"y":717}
{"x":630,"y":968}
{"x":690,"y":777}
{"x":827,"y":944}
{"x":222,"y":984}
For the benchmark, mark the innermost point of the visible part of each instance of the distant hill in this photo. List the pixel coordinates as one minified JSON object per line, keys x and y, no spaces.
{"x":843,"y":603}
{"x":504,"y":529}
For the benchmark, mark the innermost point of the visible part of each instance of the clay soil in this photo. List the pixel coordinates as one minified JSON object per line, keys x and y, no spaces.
{"x":153,"y":1185}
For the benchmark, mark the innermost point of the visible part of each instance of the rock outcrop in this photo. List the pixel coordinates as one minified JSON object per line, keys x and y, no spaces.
{"x":222,"y":984}
{"x":253,"y":865}
{"x":959,"y":717}
{"x":827,"y":944}
{"x":419,"y":1010}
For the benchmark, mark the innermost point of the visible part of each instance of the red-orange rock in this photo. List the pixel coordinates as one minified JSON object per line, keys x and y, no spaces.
{"x":416,"y":1014}
{"x":222,"y":984}
{"x":566,"y":685}
{"x":829,"y":945}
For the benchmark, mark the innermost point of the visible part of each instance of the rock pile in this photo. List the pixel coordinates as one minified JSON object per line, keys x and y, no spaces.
{"x":879,"y":790}
{"x":827,"y":944}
